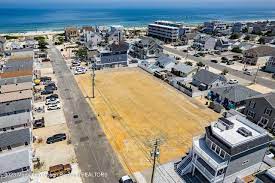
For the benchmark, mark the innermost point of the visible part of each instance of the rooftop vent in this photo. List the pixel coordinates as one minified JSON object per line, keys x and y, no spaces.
{"x":224,"y":124}
{"x":244,"y":132}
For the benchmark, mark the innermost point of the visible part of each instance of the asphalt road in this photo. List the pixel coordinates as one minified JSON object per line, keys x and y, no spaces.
{"x":265,"y":82}
{"x":96,"y":158}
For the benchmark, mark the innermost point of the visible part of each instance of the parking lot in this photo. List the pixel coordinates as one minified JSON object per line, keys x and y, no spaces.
{"x":52,"y":122}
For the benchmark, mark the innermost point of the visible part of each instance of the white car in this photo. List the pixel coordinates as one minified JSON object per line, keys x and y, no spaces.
{"x":81,"y":69}
{"x":126,"y":179}
{"x":52,"y":101}
{"x":53,"y":107}
{"x":233,"y":81}
{"x":76,"y":72}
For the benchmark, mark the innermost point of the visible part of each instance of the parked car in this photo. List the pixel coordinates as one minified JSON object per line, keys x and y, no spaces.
{"x":248,"y":73}
{"x":50,"y":87}
{"x":52,"y":101}
{"x":52,"y":96}
{"x":53,"y":107}
{"x":39,"y":123}
{"x":45,"y":78}
{"x":233,"y":81}
{"x":46,"y":92}
{"x":58,"y":170}
{"x":214,"y":61}
{"x":76,"y":63}
{"x":56,"y":138}
{"x":196,"y":55}
{"x":230,"y":62}
{"x":77,"y":72}
{"x":126,"y":179}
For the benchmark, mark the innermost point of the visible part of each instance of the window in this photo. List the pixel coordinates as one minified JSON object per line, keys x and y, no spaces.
{"x":245,"y":162}
{"x":213,"y":147}
{"x":250,"y":114}
{"x":26,"y":143}
{"x":267,"y":111}
{"x":9,"y":147}
{"x":218,"y":150}
{"x":263,"y":122}
{"x":222,"y":154}
{"x":252,"y":104}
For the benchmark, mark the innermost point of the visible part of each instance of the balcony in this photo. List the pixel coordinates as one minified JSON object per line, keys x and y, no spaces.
{"x":201,"y":148}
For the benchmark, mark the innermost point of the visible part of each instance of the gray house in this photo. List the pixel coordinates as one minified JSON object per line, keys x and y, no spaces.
{"x":261,"y":110}
{"x":231,"y":96}
{"x":222,"y":44}
{"x":232,"y":147}
{"x":145,"y":48}
{"x":204,"y":42}
{"x":270,"y":65}
{"x":183,"y":70}
{"x":251,"y":56}
{"x":205,"y":80}
{"x":116,"y":54}
{"x":166,"y":62}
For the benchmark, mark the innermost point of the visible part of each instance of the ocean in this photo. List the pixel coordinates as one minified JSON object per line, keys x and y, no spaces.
{"x":24,"y":20}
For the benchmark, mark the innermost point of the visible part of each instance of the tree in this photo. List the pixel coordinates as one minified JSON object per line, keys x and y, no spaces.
{"x":245,"y":30}
{"x":236,"y":50}
{"x":82,"y":53}
{"x":224,"y":72}
{"x":247,"y":37}
{"x":42,"y":44}
{"x":261,"y":40}
{"x":234,"y":36}
{"x":200,"y":64}
{"x":189,"y":63}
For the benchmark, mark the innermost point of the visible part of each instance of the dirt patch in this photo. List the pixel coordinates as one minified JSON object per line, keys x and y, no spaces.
{"x":134,"y":109}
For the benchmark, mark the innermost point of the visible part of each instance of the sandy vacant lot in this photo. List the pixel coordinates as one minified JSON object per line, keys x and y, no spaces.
{"x":134,"y":108}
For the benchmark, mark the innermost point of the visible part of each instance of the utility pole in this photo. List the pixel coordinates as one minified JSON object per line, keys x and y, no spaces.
{"x":256,"y":74}
{"x":154,"y":154}
{"x":93,"y":81}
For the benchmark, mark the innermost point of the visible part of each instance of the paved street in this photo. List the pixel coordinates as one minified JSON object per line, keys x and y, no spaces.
{"x":265,"y":82}
{"x":96,"y":158}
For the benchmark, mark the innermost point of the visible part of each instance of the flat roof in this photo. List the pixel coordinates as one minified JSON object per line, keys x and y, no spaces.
{"x":15,"y":119}
{"x":15,"y":87}
{"x":231,"y":136}
{"x":164,"y":26}
{"x":14,"y":96}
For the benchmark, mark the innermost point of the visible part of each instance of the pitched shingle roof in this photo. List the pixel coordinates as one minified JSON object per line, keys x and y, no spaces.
{"x":165,"y":60}
{"x":121,"y":46}
{"x":15,"y":107}
{"x":235,"y":93}
{"x":207,"y":77}
{"x":15,"y":119}
{"x":184,"y":68}
{"x":15,"y":159}
{"x":15,"y":138}
{"x":269,"y":97}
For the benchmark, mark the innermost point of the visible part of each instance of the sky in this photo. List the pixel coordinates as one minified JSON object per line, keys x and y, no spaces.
{"x":138,"y":3}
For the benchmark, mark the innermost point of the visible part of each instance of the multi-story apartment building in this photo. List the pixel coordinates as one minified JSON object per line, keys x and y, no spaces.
{"x":232,"y":147}
{"x":164,"y":30}
{"x":214,"y":26}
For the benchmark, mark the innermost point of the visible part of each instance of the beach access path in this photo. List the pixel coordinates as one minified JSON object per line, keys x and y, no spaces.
{"x":97,"y":161}
{"x":260,"y":80}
